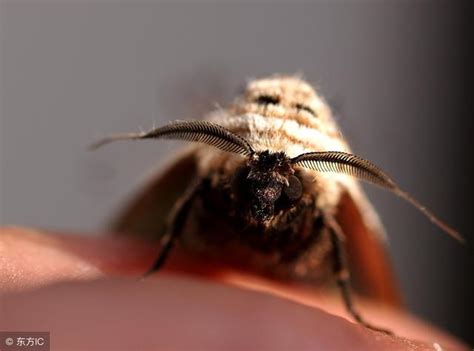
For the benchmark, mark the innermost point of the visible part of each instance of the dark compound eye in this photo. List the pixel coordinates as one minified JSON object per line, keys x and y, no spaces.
{"x":294,"y":190}
{"x":305,"y":108}
{"x":267,"y":100}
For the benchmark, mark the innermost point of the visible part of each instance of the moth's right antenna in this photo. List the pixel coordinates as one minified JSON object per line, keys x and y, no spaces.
{"x":342,"y":162}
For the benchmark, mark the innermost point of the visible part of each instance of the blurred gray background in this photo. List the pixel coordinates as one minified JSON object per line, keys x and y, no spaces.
{"x":396,"y":74}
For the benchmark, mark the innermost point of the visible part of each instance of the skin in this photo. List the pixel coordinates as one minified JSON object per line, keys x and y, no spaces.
{"x":86,"y":291}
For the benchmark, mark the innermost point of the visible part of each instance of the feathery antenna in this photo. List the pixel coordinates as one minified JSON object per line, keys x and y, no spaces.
{"x":198,"y":131}
{"x":345,"y":163}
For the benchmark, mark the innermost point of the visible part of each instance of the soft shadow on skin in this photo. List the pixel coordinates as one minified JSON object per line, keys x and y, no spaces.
{"x":181,"y":314}
{"x":61,"y":283}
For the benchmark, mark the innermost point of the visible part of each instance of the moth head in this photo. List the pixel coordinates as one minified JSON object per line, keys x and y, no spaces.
{"x":265,"y":185}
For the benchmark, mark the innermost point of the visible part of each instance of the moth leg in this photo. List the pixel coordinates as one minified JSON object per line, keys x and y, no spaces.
{"x":342,"y":273}
{"x":175,"y":226}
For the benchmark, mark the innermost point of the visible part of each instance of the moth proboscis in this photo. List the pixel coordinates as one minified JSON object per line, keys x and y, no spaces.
{"x":271,"y":187}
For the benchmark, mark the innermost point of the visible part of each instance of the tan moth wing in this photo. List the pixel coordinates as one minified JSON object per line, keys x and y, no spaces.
{"x":371,"y":269}
{"x":147,"y":213}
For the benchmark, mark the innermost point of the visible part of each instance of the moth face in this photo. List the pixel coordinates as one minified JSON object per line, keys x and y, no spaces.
{"x":265,"y":186}
{"x":279,"y":96}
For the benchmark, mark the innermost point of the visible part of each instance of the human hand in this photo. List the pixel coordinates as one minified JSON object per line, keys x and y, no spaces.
{"x":86,"y":291}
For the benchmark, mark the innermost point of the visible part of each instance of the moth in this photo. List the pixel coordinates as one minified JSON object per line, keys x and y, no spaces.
{"x":271,"y":186}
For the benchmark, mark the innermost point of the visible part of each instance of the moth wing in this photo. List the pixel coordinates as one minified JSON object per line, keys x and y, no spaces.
{"x":366,"y":248}
{"x":147,"y":213}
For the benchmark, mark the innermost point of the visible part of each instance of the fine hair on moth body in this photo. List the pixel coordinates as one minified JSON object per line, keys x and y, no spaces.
{"x":271,"y":186}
